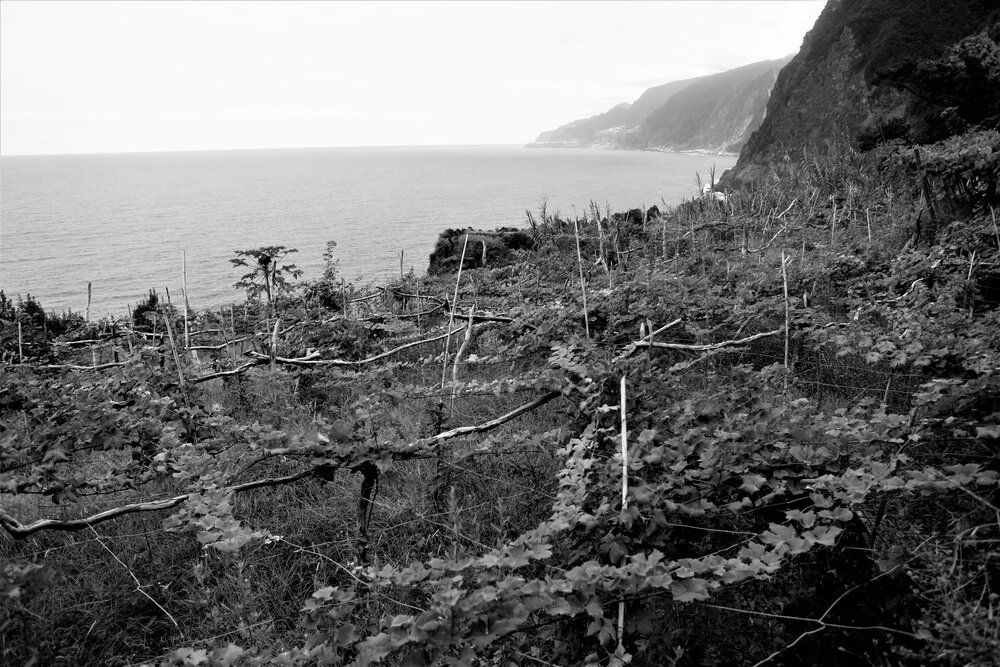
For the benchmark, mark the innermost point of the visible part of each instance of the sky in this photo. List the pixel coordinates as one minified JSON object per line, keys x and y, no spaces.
{"x":109,"y":77}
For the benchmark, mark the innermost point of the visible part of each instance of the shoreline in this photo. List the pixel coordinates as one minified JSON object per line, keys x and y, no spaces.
{"x":654,"y":149}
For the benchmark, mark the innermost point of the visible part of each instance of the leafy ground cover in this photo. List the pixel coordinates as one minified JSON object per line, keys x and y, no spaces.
{"x":761,"y":430}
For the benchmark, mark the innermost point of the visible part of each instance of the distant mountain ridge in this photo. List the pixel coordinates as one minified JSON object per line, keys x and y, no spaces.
{"x":714,"y":113}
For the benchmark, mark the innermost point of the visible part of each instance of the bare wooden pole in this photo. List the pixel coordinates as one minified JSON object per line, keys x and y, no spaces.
{"x":833,"y":227}
{"x":996,"y":232}
{"x":458,"y":356}
{"x":274,"y":342}
{"x":868,"y":217}
{"x":621,"y":605}
{"x":173,"y":348}
{"x":400,"y":265}
{"x":583,"y":284}
{"x":784,"y":280}
{"x":451,"y":316}
{"x":184,"y":290}
{"x":343,"y":299}
{"x":87,"y":316}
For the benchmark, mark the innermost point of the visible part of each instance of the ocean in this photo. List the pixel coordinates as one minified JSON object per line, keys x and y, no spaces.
{"x":122,"y":221}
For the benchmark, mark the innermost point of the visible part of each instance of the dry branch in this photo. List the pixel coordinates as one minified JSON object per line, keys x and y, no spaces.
{"x":73,"y":367}
{"x":312,"y":360}
{"x":222,"y":374}
{"x":19,"y":530}
{"x":708,"y":346}
{"x":632,"y":347}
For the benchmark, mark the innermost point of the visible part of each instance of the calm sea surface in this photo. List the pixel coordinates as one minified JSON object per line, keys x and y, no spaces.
{"x":122,"y":221}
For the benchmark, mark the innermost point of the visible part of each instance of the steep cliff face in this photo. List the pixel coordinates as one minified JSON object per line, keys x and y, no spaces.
{"x":841,"y":85}
{"x":713,"y":113}
{"x":716,"y":113}
{"x":600,"y":131}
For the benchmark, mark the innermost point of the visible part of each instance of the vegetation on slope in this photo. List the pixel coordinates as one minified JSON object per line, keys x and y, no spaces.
{"x":715,"y":113}
{"x":803,"y":379}
{"x":876,"y":70}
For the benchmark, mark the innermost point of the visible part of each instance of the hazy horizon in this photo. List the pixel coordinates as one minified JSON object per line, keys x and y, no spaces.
{"x":146,"y":77}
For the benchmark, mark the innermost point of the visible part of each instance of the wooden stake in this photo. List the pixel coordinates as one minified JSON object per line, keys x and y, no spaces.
{"x":87,"y":317}
{"x":583,"y":285}
{"x":458,"y":356}
{"x":20,"y":342}
{"x":621,"y":605}
{"x":400,"y":265}
{"x":343,"y":299}
{"x":996,"y":232}
{"x":274,"y":342}
{"x":451,"y":316}
{"x":184,"y":290}
{"x":833,"y":228}
{"x":663,"y":221}
{"x":784,"y":279}
{"x":868,"y":217}
{"x":173,"y":348}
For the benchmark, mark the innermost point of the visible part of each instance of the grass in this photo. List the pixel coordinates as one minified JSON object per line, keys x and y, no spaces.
{"x":716,"y":264}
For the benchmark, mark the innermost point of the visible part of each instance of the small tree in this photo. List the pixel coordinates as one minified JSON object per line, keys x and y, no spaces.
{"x":267,"y":275}
{"x":150,"y":304}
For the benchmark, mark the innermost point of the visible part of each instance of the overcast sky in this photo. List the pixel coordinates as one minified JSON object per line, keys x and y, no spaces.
{"x":94,"y":77}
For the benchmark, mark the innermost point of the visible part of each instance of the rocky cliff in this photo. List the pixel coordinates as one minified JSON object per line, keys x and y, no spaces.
{"x":714,"y":113}
{"x":858,"y":78}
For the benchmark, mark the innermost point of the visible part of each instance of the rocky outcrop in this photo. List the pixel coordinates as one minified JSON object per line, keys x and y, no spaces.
{"x":485,"y":248}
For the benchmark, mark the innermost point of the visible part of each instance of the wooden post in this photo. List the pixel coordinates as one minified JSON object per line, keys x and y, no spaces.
{"x":343,"y":299}
{"x":20,"y":343}
{"x":184,"y":293}
{"x":621,"y":605}
{"x":400,"y":265}
{"x":458,"y":356}
{"x":274,"y":343}
{"x":868,"y":218}
{"x":418,"y":304}
{"x":583,"y":285}
{"x":663,"y":222}
{"x":784,"y":279}
{"x":87,"y":316}
{"x":996,"y":232}
{"x":173,"y":348}
{"x":451,"y":316}
{"x":833,"y":227}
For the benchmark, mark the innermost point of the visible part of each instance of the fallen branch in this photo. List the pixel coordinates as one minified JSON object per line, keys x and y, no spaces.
{"x":632,"y":347}
{"x":73,"y":367}
{"x":485,"y":318}
{"x":222,"y":374}
{"x":19,"y":530}
{"x":311,"y":360}
{"x":768,"y":244}
{"x":493,"y":423}
{"x":220,"y":346}
{"x":708,"y":346}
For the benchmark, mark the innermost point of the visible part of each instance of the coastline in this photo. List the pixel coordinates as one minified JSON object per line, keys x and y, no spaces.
{"x":651,"y":149}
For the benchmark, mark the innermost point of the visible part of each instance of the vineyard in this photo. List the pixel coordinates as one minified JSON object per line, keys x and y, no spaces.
{"x":759,"y":429}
